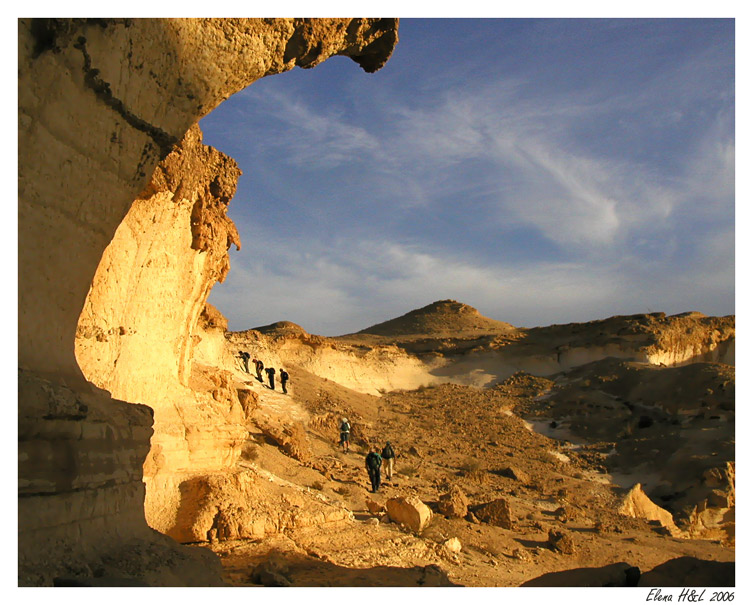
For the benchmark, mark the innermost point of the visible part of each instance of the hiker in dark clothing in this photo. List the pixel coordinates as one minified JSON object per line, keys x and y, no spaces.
{"x":244,"y":357}
{"x":271,"y":375}
{"x":345,"y":434}
{"x":283,"y":379}
{"x":388,"y":455}
{"x":373,"y":465}
{"x":259,"y":367}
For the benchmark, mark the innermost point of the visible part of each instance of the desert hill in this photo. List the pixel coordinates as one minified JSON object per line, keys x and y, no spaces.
{"x":443,"y":318}
{"x":282,"y":328}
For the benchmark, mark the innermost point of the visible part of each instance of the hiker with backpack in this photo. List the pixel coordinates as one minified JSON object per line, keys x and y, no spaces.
{"x":244,"y":358}
{"x":271,"y":375}
{"x":373,"y":466}
{"x":259,"y":367}
{"x":388,"y":455}
{"x":345,"y":434}
{"x":283,"y":379}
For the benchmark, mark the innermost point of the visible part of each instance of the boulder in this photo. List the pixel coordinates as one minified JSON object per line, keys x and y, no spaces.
{"x":453,"y":545}
{"x":496,"y":513}
{"x":410,"y":512}
{"x":513,"y":472}
{"x":637,"y":504}
{"x":454,"y":503}
{"x":561,"y":541}
{"x":272,"y":572}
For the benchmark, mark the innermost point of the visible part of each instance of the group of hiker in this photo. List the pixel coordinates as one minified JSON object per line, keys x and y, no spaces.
{"x":374,"y":465}
{"x":259,"y":366}
{"x":374,"y":458}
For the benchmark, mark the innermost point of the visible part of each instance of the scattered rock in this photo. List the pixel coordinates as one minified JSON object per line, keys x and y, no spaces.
{"x":453,"y":545}
{"x":565,"y":513}
{"x":454,"y":503}
{"x":513,"y":472}
{"x":561,"y":541}
{"x":272,"y":572}
{"x":410,"y":512}
{"x":292,"y":439}
{"x":374,"y":507}
{"x":496,"y":513}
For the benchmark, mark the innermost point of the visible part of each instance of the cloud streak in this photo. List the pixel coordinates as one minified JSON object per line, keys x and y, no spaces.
{"x":531,"y":193}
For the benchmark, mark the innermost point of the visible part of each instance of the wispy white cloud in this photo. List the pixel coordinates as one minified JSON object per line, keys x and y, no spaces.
{"x":632,"y":189}
{"x":344,"y":288}
{"x":307,"y":137}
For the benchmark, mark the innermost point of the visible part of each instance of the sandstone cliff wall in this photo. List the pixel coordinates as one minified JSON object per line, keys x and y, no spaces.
{"x":101,"y":102}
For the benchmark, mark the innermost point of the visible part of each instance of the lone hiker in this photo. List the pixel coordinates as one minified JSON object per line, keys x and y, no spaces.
{"x":244,"y":357}
{"x":271,"y":375}
{"x":388,"y":455}
{"x":283,"y":379}
{"x":345,"y":434}
{"x":259,"y":367}
{"x":373,"y":464}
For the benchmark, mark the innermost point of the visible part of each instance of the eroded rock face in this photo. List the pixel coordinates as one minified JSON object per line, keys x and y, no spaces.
{"x":637,"y":504}
{"x":248,"y":505}
{"x":101,"y":102}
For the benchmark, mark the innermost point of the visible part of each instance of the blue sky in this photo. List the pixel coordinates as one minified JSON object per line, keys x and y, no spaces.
{"x":542,"y":171}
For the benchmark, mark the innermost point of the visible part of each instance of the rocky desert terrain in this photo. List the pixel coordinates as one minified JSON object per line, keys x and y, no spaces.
{"x":567,"y":479}
{"x":593,"y":454}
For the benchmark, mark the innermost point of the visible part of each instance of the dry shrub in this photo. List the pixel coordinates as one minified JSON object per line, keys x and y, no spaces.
{"x":470,"y":465}
{"x":249,"y":451}
{"x":318,"y":485}
{"x":343,"y":490}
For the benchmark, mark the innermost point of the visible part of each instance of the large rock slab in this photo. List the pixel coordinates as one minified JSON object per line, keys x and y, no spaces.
{"x":410,"y":512}
{"x":496,"y":513}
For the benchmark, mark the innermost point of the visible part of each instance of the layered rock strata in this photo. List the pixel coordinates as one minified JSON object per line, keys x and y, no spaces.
{"x":484,"y":352}
{"x":101,"y":102}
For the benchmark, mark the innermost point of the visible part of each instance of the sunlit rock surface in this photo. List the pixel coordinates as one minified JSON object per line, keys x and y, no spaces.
{"x":101,"y":102}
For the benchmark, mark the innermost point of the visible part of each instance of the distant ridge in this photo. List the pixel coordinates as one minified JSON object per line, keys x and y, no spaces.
{"x":440,"y":318}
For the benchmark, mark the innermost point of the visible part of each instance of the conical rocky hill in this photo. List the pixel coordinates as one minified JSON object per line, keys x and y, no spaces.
{"x":280,"y":328}
{"x":440,"y":318}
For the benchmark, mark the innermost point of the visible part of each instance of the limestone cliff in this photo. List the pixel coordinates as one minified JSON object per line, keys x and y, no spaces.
{"x":482,"y":352}
{"x":139,"y":325}
{"x":101,"y":102}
